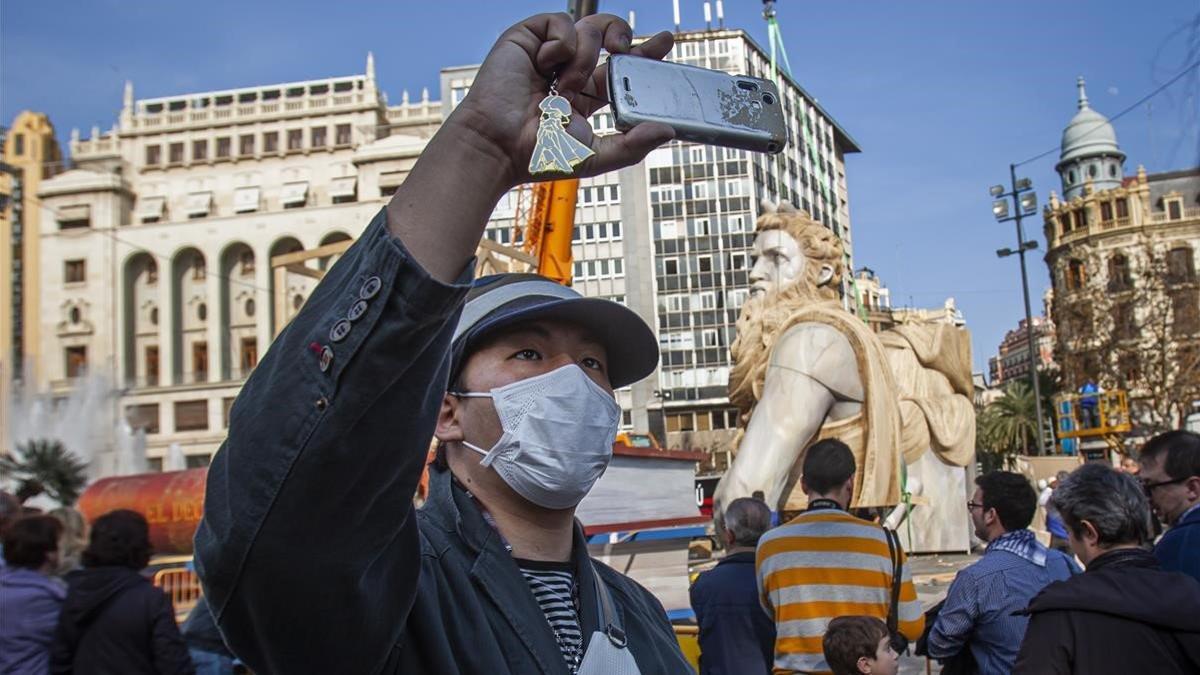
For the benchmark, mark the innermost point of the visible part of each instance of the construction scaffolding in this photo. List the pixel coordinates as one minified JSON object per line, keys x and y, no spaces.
{"x":1083,"y":419}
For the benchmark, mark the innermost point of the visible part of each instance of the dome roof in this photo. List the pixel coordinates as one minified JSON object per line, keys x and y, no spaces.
{"x":1089,"y":133}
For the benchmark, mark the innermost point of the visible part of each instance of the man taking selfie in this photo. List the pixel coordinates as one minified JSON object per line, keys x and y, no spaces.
{"x":312,"y":556}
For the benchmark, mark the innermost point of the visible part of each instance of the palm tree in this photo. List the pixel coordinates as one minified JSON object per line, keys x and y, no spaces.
{"x":1008,"y":426}
{"x":46,"y":461}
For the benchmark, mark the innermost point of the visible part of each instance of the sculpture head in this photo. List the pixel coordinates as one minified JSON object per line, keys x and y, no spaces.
{"x":798,"y":262}
{"x":791,"y":247}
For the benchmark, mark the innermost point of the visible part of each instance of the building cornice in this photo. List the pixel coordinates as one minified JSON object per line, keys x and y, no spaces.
{"x":78,"y":181}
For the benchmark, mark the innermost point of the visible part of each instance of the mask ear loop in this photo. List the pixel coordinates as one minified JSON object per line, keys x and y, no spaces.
{"x":489,"y":456}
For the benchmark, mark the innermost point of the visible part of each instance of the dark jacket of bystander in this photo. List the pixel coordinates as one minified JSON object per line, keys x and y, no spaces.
{"x":1123,"y":615}
{"x":736,"y":634}
{"x":1179,"y":548}
{"x":115,"y":621}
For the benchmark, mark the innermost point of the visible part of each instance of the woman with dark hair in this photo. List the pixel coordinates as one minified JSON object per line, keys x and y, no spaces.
{"x":29,"y":597}
{"x":114,"y":620}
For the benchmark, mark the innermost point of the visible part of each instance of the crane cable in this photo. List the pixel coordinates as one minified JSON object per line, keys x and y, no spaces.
{"x":778,"y":49}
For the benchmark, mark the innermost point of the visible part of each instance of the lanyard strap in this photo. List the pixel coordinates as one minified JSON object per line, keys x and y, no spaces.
{"x":823,"y":503}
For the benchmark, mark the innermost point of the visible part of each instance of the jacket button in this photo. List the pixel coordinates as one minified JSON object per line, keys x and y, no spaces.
{"x":357,"y":310}
{"x":370,"y":288}
{"x":339,"y":331}
{"x":322,"y":403}
{"x":326,"y":358}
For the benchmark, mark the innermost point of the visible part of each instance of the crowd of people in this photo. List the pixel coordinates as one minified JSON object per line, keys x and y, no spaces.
{"x":840,"y":596}
{"x":74,"y":599}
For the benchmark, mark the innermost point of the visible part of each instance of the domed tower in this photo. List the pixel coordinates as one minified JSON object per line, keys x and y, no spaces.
{"x":1089,"y":152}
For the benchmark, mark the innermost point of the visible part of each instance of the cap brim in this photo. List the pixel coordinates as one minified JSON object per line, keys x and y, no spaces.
{"x":631,"y":347}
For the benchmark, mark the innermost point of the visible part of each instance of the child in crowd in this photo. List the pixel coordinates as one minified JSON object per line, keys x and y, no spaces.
{"x":859,"y":644}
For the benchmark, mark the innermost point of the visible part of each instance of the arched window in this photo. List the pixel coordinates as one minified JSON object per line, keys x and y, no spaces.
{"x":1076,"y":274}
{"x":1092,"y":171}
{"x":1181,"y":268}
{"x":1112,"y":170}
{"x":1070,"y":178}
{"x":1119,"y":278}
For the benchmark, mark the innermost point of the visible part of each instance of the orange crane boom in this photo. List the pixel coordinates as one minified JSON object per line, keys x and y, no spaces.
{"x":550,"y":228}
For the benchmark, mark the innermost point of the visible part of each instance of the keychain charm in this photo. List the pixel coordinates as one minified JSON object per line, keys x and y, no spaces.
{"x":556,"y":152}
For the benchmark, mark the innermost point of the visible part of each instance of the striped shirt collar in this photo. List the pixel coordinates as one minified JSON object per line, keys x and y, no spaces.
{"x":1022,"y":543}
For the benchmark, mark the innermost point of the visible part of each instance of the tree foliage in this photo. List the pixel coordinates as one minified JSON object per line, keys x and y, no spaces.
{"x":1007,"y":427}
{"x":62,"y":475}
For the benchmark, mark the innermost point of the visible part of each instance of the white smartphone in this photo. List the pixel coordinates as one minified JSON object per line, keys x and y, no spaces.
{"x":704,"y":106}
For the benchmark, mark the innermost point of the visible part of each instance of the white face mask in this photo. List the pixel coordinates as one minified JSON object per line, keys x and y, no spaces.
{"x":558,"y":433}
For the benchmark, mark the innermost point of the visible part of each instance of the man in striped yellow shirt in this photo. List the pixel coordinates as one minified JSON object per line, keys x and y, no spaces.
{"x":826,"y":563}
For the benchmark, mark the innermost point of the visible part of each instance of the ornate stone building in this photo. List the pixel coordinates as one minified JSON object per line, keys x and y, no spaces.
{"x":157,"y":244}
{"x":1122,"y":257}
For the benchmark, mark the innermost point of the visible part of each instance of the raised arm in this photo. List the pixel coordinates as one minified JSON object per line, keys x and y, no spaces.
{"x":308,"y":550}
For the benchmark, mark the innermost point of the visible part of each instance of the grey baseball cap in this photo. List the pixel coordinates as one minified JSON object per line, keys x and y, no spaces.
{"x":503,"y":300}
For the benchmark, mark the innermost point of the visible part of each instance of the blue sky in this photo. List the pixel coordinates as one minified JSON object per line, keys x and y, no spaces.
{"x":942,"y":96}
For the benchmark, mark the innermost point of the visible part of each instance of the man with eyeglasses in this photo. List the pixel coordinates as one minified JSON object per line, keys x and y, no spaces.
{"x":1170,"y":474}
{"x":978,"y":611}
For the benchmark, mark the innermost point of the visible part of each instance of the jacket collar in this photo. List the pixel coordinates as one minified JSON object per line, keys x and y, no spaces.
{"x":1191,"y":516}
{"x":1124,"y":557}
{"x":738,"y":558}
{"x":497,"y":576}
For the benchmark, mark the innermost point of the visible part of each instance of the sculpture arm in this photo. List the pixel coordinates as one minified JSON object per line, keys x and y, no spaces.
{"x":812,"y":367}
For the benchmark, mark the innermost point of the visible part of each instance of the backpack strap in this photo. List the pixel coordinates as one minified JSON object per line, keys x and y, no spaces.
{"x":893,"y":542}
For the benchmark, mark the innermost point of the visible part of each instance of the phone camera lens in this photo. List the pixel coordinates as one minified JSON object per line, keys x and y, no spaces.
{"x":768,"y":99}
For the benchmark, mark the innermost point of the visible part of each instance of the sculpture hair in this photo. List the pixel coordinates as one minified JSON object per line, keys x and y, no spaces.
{"x":818,"y":243}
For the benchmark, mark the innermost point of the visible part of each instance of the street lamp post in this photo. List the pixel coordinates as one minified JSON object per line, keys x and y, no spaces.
{"x":1024,"y":204}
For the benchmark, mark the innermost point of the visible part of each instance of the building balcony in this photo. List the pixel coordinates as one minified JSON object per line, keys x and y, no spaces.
{"x":1162,"y":217}
{"x":1114,"y":225}
{"x":249,"y":112}
{"x":232,"y":376}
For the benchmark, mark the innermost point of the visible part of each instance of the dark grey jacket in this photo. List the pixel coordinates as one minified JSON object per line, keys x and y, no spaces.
{"x":312,"y":557}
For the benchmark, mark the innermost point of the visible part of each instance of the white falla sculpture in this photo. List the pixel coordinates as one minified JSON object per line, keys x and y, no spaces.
{"x":806,"y":369}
